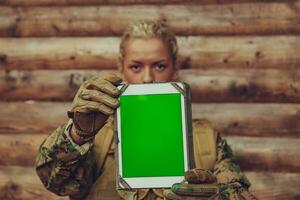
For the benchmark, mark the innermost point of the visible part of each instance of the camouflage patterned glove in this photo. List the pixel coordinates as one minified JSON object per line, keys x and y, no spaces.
{"x":199,"y":176}
{"x":95,"y":100}
{"x":201,"y":184}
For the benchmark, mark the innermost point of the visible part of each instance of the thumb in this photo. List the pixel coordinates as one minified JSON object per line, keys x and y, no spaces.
{"x":196,"y":176}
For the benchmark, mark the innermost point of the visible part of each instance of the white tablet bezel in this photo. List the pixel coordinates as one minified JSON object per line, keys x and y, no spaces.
{"x":152,"y":182}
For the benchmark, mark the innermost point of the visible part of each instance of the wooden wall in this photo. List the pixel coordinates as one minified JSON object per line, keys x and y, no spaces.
{"x":241,"y":58}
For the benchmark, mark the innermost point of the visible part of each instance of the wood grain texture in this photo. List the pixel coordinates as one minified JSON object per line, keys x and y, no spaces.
{"x":122,"y":2}
{"x":195,"y":52}
{"x":20,"y":150}
{"x":253,"y":153}
{"x":275,"y":120}
{"x":280,"y":120}
{"x":58,"y":85}
{"x":223,"y":19}
{"x":32,"y":117}
{"x":266,"y":154}
{"x":22,"y":183}
{"x":270,"y":186}
{"x":208,"y":85}
{"x":243,"y":85}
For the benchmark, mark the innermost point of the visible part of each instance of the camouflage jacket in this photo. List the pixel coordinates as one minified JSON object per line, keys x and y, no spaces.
{"x":68,"y":169}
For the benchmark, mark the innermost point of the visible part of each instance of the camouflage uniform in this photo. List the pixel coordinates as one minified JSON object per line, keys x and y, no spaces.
{"x":66,"y":168}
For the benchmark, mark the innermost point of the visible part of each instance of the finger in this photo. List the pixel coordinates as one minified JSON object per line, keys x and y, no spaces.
{"x":112,"y":78}
{"x":89,"y":106}
{"x":199,"y":176}
{"x":115,"y":80}
{"x":95,"y":95}
{"x":171,"y":196}
{"x":103,"y":86}
{"x":187,"y":189}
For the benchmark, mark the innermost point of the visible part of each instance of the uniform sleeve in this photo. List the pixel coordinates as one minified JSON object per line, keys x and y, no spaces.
{"x":64,"y":167}
{"x":231,"y":180}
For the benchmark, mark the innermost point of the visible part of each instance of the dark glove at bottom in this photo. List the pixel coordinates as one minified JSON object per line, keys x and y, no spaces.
{"x":201,"y":184}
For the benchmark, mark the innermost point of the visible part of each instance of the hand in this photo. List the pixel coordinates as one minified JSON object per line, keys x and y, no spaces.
{"x":202,"y":185}
{"x":196,"y":176}
{"x":95,"y":100}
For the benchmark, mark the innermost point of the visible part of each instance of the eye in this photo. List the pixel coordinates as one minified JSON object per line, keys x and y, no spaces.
{"x":160,"y":66}
{"x":135,"y":67}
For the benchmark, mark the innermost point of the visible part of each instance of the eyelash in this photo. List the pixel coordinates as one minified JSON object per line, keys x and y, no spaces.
{"x":160,"y":66}
{"x":135,"y":67}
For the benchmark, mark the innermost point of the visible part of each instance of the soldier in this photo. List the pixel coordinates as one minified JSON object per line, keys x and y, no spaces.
{"x":77,"y":159}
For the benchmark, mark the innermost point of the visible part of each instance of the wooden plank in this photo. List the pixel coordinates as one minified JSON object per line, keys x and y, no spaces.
{"x":196,"y":52}
{"x":270,"y":186}
{"x":31,"y":117}
{"x":20,"y":149}
{"x":43,"y":84}
{"x":243,"y":85}
{"x":269,"y":154}
{"x":229,"y":118}
{"x":58,"y":53}
{"x":22,"y":183}
{"x":225,"y":19}
{"x":208,"y":85}
{"x":266,"y":154}
{"x":256,"y":119}
{"x":118,"y":2}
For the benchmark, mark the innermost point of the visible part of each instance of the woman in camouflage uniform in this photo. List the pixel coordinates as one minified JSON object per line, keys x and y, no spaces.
{"x":77,"y":159}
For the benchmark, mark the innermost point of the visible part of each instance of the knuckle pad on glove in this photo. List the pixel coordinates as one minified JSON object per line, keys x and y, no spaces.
{"x":106,"y":110}
{"x":199,"y":176}
{"x":97,"y":96}
{"x":110,"y":89}
{"x":113,"y":79}
{"x":89,"y":123}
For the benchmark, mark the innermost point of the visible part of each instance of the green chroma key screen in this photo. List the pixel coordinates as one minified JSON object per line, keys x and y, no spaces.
{"x":151,"y":134}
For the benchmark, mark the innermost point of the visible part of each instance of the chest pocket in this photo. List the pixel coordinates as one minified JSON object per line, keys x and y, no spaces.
{"x":205,"y":144}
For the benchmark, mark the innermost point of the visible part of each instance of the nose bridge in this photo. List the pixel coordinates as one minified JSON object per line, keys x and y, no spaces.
{"x":148,"y":75}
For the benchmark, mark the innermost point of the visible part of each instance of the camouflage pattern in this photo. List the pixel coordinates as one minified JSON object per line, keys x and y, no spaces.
{"x":232,"y":182}
{"x":68,"y":169}
{"x":64,"y":167}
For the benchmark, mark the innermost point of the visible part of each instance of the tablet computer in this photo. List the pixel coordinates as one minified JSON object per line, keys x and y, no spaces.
{"x":153,"y":135}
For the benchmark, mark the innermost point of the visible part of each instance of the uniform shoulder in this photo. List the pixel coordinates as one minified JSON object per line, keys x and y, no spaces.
{"x":202,"y":123}
{"x":203,"y":126}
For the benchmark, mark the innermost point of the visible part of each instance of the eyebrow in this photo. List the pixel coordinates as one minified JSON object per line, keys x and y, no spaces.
{"x":159,"y":61}
{"x":137,"y":61}
{"x":163,"y":60}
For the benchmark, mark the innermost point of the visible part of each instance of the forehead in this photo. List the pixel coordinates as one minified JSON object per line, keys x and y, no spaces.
{"x":146,"y":49}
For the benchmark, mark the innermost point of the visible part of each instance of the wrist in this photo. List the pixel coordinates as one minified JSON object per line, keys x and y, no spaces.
{"x":76,"y":137}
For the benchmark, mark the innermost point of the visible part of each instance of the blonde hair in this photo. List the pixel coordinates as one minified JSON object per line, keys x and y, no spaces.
{"x":149,"y":29}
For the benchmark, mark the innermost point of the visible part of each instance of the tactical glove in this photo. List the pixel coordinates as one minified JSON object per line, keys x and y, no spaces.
{"x":201,"y":184}
{"x":95,"y":100}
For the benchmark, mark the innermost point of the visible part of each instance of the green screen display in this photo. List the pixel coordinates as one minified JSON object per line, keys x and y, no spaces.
{"x":151,"y":134}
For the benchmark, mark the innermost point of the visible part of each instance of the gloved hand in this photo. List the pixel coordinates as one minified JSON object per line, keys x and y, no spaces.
{"x":201,"y":184}
{"x":95,"y":100}
{"x":198,"y":184}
